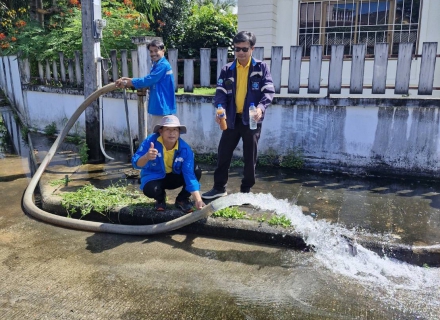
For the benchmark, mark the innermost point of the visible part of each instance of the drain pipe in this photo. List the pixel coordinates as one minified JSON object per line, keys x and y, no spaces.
{"x":30,"y":207}
{"x":101,"y":113}
{"x":127,"y":117}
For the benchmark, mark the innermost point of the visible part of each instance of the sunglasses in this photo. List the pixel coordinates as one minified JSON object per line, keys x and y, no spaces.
{"x":237,"y":49}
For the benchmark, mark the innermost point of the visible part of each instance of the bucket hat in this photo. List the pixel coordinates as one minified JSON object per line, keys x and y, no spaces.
{"x":169,"y":121}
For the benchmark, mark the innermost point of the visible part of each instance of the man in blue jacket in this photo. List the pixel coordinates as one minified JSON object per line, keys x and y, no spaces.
{"x":167,"y":162}
{"x":241,"y":82}
{"x":162,"y":100}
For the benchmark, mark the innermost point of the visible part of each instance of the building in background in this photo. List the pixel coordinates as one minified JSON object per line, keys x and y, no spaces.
{"x":305,"y":23}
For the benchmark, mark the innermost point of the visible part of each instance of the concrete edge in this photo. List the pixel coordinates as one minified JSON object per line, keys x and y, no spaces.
{"x":244,"y":230}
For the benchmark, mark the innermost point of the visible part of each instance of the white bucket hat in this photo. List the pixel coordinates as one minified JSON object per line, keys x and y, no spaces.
{"x":169,"y":121}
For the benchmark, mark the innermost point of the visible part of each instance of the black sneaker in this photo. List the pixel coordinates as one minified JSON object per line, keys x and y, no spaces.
{"x":160,"y":205}
{"x":213,"y":194}
{"x":185,"y":205}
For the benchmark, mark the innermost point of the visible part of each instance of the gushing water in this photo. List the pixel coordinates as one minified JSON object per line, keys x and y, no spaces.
{"x":399,"y":285}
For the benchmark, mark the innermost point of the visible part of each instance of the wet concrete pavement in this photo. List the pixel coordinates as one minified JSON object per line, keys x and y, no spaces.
{"x":403,"y":215}
{"x":56,"y":273}
{"x":48,"y":272}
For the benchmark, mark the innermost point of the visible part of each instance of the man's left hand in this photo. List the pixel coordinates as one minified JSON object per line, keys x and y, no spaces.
{"x":259,"y":113}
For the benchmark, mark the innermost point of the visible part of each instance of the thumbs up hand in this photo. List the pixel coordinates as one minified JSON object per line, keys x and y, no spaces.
{"x":152,"y":152}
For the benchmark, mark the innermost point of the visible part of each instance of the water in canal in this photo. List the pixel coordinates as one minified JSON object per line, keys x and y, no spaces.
{"x":260,"y":282}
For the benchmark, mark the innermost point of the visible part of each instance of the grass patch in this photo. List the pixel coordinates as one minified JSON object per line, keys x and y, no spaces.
{"x":199,"y":91}
{"x":103,"y":201}
{"x":230,"y":213}
{"x":50,"y":129}
{"x":83,"y":152}
{"x":280,"y":221}
{"x":59,"y":182}
{"x":293,"y":159}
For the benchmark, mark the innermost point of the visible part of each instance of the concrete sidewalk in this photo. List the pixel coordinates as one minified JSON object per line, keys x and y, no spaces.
{"x":407,"y":212}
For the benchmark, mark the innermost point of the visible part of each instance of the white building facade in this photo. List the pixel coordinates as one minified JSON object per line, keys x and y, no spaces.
{"x":304,"y":23}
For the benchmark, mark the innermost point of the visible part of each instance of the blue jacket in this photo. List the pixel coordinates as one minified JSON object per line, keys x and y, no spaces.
{"x":162,"y":100}
{"x":260,"y":90}
{"x":155,"y":169}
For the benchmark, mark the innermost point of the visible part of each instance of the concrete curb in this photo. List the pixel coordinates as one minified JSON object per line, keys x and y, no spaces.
{"x":243,"y":230}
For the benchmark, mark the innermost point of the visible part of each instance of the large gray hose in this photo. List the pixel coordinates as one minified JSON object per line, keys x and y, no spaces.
{"x":36,"y":212}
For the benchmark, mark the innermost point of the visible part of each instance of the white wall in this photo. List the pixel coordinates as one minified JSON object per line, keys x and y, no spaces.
{"x":400,"y":135}
{"x":259,"y":17}
{"x":403,"y":139}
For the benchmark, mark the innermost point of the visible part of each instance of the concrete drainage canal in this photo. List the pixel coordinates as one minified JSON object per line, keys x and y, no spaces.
{"x":378,"y":235}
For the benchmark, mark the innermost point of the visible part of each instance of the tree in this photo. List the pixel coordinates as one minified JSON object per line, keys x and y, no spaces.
{"x":207,"y":28}
{"x":170,"y":22}
{"x":225,"y":5}
{"x":62,"y":30}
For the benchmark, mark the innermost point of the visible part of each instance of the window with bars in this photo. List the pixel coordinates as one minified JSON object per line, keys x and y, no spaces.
{"x":348,"y":22}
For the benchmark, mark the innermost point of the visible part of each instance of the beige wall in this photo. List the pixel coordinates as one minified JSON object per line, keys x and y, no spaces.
{"x":259,"y":17}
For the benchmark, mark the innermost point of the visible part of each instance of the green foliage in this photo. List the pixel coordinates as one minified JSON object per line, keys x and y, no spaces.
{"x":59,"y":182}
{"x":24,"y":131}
{"x":170,"y":22}
{"x":225,"y":5}
{"x":280,"y":221}
{"x":207,"y":27}
{"x":62,"y":32}
{"x":89,"y":198}
{"x":208,"y":158}
{"x":237,"y":162}
{"x":149,"y":7}
{"x":199,"y":91}
{"x":83,"y":152}
{"x":74,"y":138}
{"x":293,"y":159}
{"x":50,"y":129}
{"x":229,"y":213}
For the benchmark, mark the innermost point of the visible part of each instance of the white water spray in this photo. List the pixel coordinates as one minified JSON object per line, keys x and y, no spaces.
{"x":410,"y":288}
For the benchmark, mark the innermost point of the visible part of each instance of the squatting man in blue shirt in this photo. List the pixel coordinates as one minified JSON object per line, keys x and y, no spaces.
{"x":167,"y":162}
{"x":160,"y":80}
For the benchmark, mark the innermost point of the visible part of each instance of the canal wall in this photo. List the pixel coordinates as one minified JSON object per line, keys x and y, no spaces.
{"x":353,"y":134}
{"x":357,"y":135}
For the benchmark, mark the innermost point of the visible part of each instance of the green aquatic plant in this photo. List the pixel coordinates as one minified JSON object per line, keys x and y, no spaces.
{"x":230,"y":213}
{"x":103,"y":201}
{"x":280,"y":221}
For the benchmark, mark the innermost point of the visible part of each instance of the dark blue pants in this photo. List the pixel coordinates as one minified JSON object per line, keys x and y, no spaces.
{"x":156,"y":188}
{"x":228,"y":142}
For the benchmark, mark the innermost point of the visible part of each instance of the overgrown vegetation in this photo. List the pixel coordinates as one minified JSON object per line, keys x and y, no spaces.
{"x":61,"y":30}
{"x":282,"y":221}
{"x":230,"y":213}
{"x":184,"y":25}
{"x":83,"y":152}
{"x":91,"y":199}
{"x":294,"y":159}
{"x":59,"y":182}
{"x":103,"y":201}
{"x":234,"y":213}
{"x":51,"y":129}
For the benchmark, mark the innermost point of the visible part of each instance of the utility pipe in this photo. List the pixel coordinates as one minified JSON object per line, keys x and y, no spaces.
{"x":30,"y":207}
